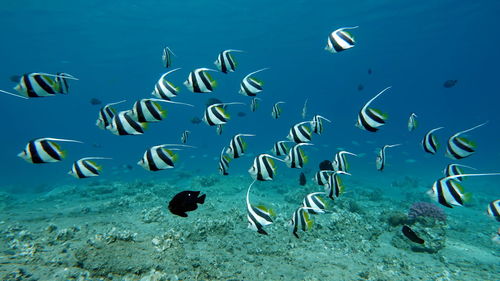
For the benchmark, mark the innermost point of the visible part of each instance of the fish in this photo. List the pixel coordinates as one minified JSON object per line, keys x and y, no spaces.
{"x":450,"y":83}
{"x":493,"y":209}
{"x":185,"y":201}
{"x":370,"y":119}
{"x":410,"y":234}
{"x":299,"y":133}
{"x":412,"y":122}
{"x":304,"y":110}
{"x":216,"y":115}
{"x":237,"y":146}
{"x":149,"y":110}
{"x":184,"y":136}
{"x":241,"y":114}
{"x":448,"y":192}
{"x":35,"y":85}
{"x":254,"y":104}
{"x":44,"y":150}
{"x":360,"y":87}
{"x":167,"y":57}
{"x":317,"y":124}
{"x":164,"y":89}
{"x":280,"y":148}
{"x":276,"y":112}
{"x":340,"y":40}
{"x":326,"y":165}
{"x":263,"y":167}
{"x":195,"y":120}
{"x":314,"y":204}
{"x":460,"y":147}
{"x":321,"y":177}
{"x":106,"y":115}
{"x":251,"y":86}
{"x":199,"y":81}
{"x":334,"y":187}
{"x":124,"y":123}
{"x":86,"y":168}
{"x":219,"y":129}
{"x":339,"y":162}
{"x":302,"y":179}
{"x":296,"y":157}
{"x":380,"y":161}
{"x":258,"y":216}
{"x":300,"y":220}
{"x":370,"y":71}
{"x":158,"y":157}
{"x":429,"y":142}
{"x":224,"y":163}
{"x":95,"y":101}
{"x":454,"y":169}
{"x":225,"y":61}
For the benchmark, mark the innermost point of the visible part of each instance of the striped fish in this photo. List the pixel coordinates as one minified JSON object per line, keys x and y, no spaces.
{"x":299,"y":133}
{"x":448,"y":192}
{"x":35,"y":85}
{"x":370,"y":119}
{"x":494,"y":209}
{"x":340,"y":163}
{"x":412,"y":122}
{"x":224,"y":163}
{"x":258,"y":216}
{"x":199,"y":81}
{"x":254,"y":104}
{"x":216,"y":115}
{"x":334,"y":187}
{"x":44,"y":150}
{"x":300,"y":220}
{"x":149,"y":110}
{"x":124,"y":124}
{"x":317,"y":124}
{"x":276,"y":112}
{"x":460,"y":147}
{"x":340,"y":40}
{"x":280,"y":148}
{"x":106,"y":114}
{"x":164,"y":89}
{"x":225,"y":61}
{"x":237,"y":146}
{"x":86,"y":168}
{"x":314,"y":203}
{"x":454,"y":170}
{"x":296,"y":157}
{"x":158,"y":157}
{"x":251,"y":86}
{"x":321,"y":177}
{"x":263,"y":168}
{"x":167,"y":57}
{"x":380,"y":161}
{"x":429,"y":142}
{"x":184,"y":136}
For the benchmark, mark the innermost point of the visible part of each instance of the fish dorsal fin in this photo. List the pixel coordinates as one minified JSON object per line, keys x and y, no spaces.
{"x":167,"y":73}
{"x":376,"y":96}
{"x":255,"y":72}
{"x":65,"y":140}
{"x":470,"y":129}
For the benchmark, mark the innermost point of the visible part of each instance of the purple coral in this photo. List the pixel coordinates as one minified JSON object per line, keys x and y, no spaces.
{"x":424,"y":209}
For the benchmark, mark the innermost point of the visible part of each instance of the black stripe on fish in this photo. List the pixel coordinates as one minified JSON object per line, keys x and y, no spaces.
{"x":152,"y":110}
{"x":229,"y":59}
{"x":365,"y":124}
{"x":217,"y":114}
{"x":345,"y":37}
{"x":247,"y":91}
{"x":453,"y":152}
{"x":164,"y":157}
{"x":150,"y":161}
{"x":89,"y":167}
{"x":194,"y":82}
{"x":43,"y":84}
{"x":29,"y":87}
{"x":462,"y":145}
{"x":78,"y":171}
{"x":410,"y":234}
{"x":204,"y":79}
{"x":33,"y":153}
{"x":136,"y":126}
{"x":47,"y":147}
{"x":254,"y":84}
{"x":494,"y":210}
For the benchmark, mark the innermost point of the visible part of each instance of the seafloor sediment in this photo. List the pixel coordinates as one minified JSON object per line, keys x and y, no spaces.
{"x":105,"y":230}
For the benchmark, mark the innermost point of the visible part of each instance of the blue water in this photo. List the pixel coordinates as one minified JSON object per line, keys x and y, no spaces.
{"x":115,"y":51}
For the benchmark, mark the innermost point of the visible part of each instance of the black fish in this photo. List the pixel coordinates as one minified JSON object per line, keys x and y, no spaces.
{"x":302,"y":179}
{"x":95,"y":101}
{"x":242,"y":114}
{"x":370,"y":71}
{"x":185,"y":201}
{"x":326,"y":165}
{"x":195,"y":120}
{"x":449,"y":83}
{"x":411,"y":235}
{"x":361,"y":87}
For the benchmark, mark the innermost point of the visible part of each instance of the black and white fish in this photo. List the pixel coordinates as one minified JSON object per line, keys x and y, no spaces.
{"x":167,"y":57}
{"x":124,"y":123}
{"x":224,"y":163}
{"x":106,"y":115}
{"x":380,"y":161}
{"x":299,"y":133}
{"x":334,"y":187}
{"x":280,"y":148}
{"x":35,"y":85}
{"x":410,"y":234}
{"x":304,"y":110}
{"x":254,"y":104}
{"x":184,"y":136}
{"x":494,"y":209}
{"x":460,"y":147}
{"x":158,"y":157}
{"x":296,"y":157}
{"x":149,"y":110}
{"x":340,"y":40}
{"x":44,"y":150}
{"x":314,"y":203}
{"x":300,"y":221}
{"x":321,"y":177}
{"x":448,"y":192}
{"x":86,"y":167}
{"x":237,"y":146}
{"x":317,"y":124}
{"x":164,"y":89}
{"x":185,"y":201}
{"x":370,"y":119}
{"x":225,"y":61}
{"x":429,"y":142}
{"x":216,"y":115}
{"x":276,"y":112}
{"x":258,"y":216}
{"x":200,"y":81}
{"x":340,"y":163}
{"x":412,"y":122}
{"x":263,"y":167}
{"x":251,"y":86}
{"x":454,"y":169}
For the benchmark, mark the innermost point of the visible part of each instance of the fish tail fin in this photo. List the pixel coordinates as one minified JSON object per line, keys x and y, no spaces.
{"x":201,"y":199}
